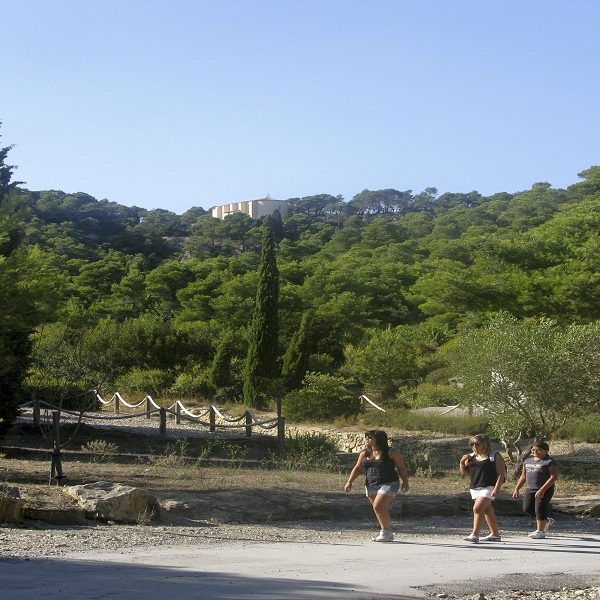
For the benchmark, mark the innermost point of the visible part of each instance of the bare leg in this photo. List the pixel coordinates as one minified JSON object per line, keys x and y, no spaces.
{"x":479,"y":509}
{"x":381,"y":507}
{"x":491,"y":520}
{"x":541,"y":523}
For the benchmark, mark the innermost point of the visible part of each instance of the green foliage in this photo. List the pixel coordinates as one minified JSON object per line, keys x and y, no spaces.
{"x":586,"y":429}
{"x":192,"y":383}
{"x":153,"y":382}
{"x":385,"y":362}
{"x":262,"y":359}
{"x":322,"y":398}
{"x":220,"y":372}
{"x":410,"y":421}
{"x":530,"y":376}
{"x":427,"y":394}
{"x":306,"y":452}
{"x":297,"y":356}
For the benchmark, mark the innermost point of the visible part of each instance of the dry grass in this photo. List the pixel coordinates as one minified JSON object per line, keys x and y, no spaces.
{"x":166,"y":466}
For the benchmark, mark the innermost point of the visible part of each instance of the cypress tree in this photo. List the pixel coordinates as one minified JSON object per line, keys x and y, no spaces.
{"x":261,"y":360}
{"x":220,"y":371}
{"x":295,"y":360}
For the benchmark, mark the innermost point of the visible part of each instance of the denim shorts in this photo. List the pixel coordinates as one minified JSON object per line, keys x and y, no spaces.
{"x":389,"y":489}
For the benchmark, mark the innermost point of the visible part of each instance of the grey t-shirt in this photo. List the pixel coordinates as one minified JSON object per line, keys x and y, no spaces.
{"x":537,"y":472}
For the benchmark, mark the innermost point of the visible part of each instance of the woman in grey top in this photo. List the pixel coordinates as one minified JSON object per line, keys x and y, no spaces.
{"x":539,"y":474}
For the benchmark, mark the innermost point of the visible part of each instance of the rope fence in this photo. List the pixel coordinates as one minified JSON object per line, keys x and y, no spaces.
{"x":211,"y":417}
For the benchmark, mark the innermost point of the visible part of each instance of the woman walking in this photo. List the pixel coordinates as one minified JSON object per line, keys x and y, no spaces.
{"x":539,"y":474}
{"x":384,"y":467}
{"x":486,"y":471}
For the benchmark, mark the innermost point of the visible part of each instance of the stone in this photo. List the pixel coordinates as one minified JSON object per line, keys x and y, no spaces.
{"x":579,"y":505}
{"x":11,"y":504}
{"x":118,"y":502}
{"x":61,"y":516}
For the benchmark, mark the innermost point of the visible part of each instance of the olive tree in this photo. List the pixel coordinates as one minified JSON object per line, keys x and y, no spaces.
{"x":529,"y":376}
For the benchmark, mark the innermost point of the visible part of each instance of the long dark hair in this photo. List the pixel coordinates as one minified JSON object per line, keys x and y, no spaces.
{"x":381,"y":439}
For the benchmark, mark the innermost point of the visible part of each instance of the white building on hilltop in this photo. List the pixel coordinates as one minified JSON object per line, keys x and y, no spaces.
{"x":253,"y":208}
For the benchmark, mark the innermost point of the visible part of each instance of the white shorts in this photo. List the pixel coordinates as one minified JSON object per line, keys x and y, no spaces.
{"x":482,"y":492}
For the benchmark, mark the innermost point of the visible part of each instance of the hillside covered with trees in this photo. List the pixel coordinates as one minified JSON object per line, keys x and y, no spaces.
{"x":380,"y":294}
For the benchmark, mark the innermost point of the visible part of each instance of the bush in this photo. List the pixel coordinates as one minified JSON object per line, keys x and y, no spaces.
{"x":153,"y":382}
{"x":427,"y":394}
{"x":307,"y":452}
{"x":192,"y":383}
{"x":404,"y":419}
{"x":322,"y":398}
{"x":581,"y":430}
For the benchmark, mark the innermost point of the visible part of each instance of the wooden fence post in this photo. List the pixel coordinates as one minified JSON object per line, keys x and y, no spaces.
{"x":148,"y":415}
{"x":177,"y":413}
{"x":248,"y":424}
{"x":212,"y":418}
{"x":163,"y":421}
{"x":117,"y":405}
{"x":56,"y":467}
{"x":36,"y":412}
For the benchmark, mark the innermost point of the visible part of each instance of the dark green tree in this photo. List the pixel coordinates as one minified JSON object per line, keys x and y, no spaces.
{"x":261,"y":360}
{"x":14,"y":325}
{"x":220,"y":370}
{"x":296,"y":358}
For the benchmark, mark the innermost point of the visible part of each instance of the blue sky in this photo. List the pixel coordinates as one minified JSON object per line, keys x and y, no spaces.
{"x":183,"y":103}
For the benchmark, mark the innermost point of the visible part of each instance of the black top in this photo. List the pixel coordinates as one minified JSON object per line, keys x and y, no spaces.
{"x":537,"y":472}
{"x":380,"y":471}
{"x":482,"y":472}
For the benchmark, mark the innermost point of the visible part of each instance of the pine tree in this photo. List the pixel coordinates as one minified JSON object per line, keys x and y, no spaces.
{"x":261,"y":360}
{"x":295,"y":360}
{"x":15,"y":327}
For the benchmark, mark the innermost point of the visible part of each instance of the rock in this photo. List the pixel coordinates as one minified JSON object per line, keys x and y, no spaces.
{"x":579,"y":505}
{"x":114,"y":502}
{"x":60,"y":516}
{"x":10,"y":504}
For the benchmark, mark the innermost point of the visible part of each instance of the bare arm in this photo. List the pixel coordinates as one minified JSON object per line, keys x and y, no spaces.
{"x":500,"y":470}
{"x":463,"y":465}
{"x":401,"y":468}
{"x":519,"y":484}
{"x":356,"y":471}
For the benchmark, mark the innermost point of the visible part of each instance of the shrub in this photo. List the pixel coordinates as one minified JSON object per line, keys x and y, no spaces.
{"x":427,"y":394}
{"x":581,"y":430}
{"x":307,"y":452}
{"x":154,"y":382}
{"x":322,"y":398}
{"x":404,"y":419}
{"x":192,"y":383}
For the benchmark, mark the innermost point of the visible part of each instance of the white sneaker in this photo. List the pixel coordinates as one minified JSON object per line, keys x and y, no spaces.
{"x":472,"y":538}
{"x":385,"y":535}
{"x":537,"y":535}
{"x":548,"y":524}
{"x":491,"y":538}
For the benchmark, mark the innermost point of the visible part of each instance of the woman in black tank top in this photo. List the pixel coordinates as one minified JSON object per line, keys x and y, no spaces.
{"x":383,"y":467}
{"x":486,"y":472}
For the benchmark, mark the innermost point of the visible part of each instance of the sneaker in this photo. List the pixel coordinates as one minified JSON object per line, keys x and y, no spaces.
{"x":549,"y":524}
{"x":491,"y":538}
{"x":472,"y":538}
{"x":537,"y":535}
{"x":385,"y":535}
